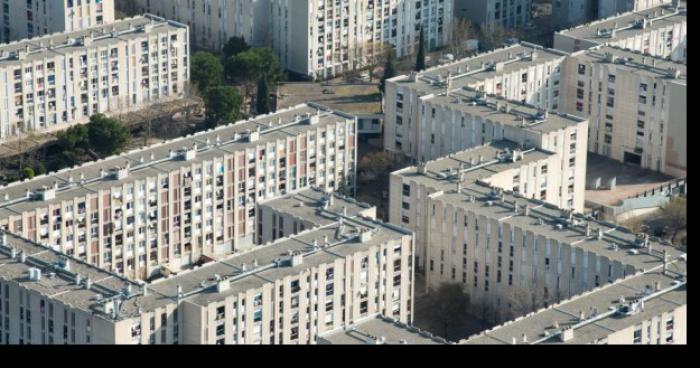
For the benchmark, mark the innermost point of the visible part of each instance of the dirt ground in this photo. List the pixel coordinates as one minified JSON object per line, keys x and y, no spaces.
{"x":631,"y":180}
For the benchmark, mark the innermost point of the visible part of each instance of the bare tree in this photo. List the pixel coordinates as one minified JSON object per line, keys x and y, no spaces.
{"x":496,"y":36}
{"x":462,"y":31}
{"x":524,"y":301}
{"x":448,"y":307}
{"x":675,"y":216}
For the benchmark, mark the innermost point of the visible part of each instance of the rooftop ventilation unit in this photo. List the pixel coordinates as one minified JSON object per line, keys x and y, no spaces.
{"x":46,"y":194}
{"x":34,"y":274}
{"x":365,"y":236}
{"x":223,"y":285}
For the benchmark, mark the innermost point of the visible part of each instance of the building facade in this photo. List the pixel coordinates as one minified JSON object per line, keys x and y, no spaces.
{"x":27,"y":19}
{"x":287,"y":292}
{"x":213,"y":23}
{"x":492,"y":13}
{"x":511,"y":253}
{"x":612,"y":8}
{"x":174,"y":202}
{"x":523,"y":72}
{"x":660,"y":31}
{"x":636,"y":106}
{"x":50,"y":83}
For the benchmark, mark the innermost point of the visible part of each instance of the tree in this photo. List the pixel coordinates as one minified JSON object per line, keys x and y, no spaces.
{"x":462,"y":31}
{"x":374,"y":164}
{"x":675,"y":216}
{"x":206,"y":71}
{"x":495,"y":36}
{"x":74,"y":139}
{"x":28,"y":173}
{"x":389,"y":70}
{"x":420,"y":57}
{"x":448,"y":307}
{"x":262,"y":103}
{"x":106,"y":135}
{"x":250,"y":65}
{"x":235,"y":46}
{"x":223,"y":104}
{"x":524,"y":301}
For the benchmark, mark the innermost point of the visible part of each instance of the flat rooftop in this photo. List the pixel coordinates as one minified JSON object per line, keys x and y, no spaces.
{"x":578,"y":231}
{"x":636,"y":62}
{"x":243,"y":271}
{"x":381,"y":330}
{"x":628,"y":24}
{"x":162,"y":158}
{"x":465,"y":72}
{"x":40,"y":48}
{"x":505,"y":112}
{"x":313,"y":205}
{"x":601,"y":309}
{"x":353,"y":99}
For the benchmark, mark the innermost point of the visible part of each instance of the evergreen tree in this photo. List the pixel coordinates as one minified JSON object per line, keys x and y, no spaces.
{"x":420,"y":57}
{"x":262,"y":103}
{"x":389,"y":69}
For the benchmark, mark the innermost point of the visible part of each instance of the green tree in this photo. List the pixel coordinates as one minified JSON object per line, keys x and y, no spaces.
{"x":250,"y":65}
{"x":262,"y":103}
{"x":389,"y":70}
{"x":206,"y":70}
{"x":74,"y":139}
{"x":107,"y":136}
{"x":223,"y":104}
{"x":420,"y":57}
{"x":28,"y":173}
{"x":235,"y":46}
{"x":448,"y":307}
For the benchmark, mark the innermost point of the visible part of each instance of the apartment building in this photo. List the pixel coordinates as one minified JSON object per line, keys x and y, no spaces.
{"x":322,"y":39}
{"x":295,"y":212}
{"x":521,"y":72}
{"x":172,"y":203}
{"x":568,"y":13}
{"x":645,"y":308}
{"x":380,"y":330}
{"x":52,"y":82}
{"x":660,"y":31}
{"x":531,"y":172}
{"x":31,"y":18}
{"x":612,"y":8}
{"x":512,"y":253}
{"x":636,"y":104}
{"x":491,"y":13}
{"x":287,"y":292}
{"x":213,"y":23}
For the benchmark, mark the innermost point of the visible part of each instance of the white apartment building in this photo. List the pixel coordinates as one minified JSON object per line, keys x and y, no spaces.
{"x":612,"y":8}
{"x":512,"y":253}
{"x":508,"y":14}
{"x":646,"y":308}
{"x":213,"y":22}
{"x":380,"y":330}
{"x":660,"y":31}
{"x":523,"y":72}
{"x":50,"y":83}
{"x":287,"y":292}
{"x":172,"y":203}
{"x":323,"y":38}
{"x":532,"y":173}
{"x":23,"y":19}
{"x":295,"y":212}
{"x":636,"y":106}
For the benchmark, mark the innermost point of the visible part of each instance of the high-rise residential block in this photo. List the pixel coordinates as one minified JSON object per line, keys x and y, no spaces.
{"x":286,"y":292}
{"x":417,"y":128}
{"x":31,"y":18}
{"x":490,"y":13}
{"x":661,"y":31}
{"x":636,"y":106}
{"x":170,"y":204}
{"x":52,"y":82}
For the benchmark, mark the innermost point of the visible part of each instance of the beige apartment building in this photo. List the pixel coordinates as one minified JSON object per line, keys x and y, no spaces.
{"x":31,"y":18}
{"x":213,"y":23}
{"x":522,"y":72}
{"x":636,"y":104}
{"x":646,"y":308}
{"x":477,"y":225}
{"x":660,"y":31}
{"x":172,"y":203}
{"x":380,"y":330}
{"x":490,"y":13}
{"x":286,"y":292}
{"x":52,"y":82}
